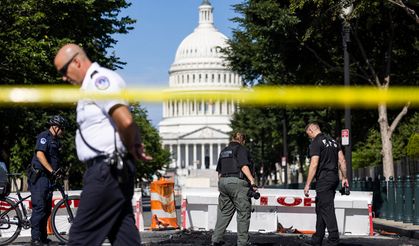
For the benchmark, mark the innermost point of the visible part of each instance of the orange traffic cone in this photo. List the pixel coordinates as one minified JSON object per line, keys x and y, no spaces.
{"x":49,"y":226}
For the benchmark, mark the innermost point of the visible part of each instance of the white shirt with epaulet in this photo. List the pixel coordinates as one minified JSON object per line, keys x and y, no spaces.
{"x":95,"y":123}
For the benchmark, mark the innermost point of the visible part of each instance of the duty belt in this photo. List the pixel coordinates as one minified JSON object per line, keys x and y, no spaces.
{"x":98,"y":159}
{"x":103,"y":158}
{"x":234,"y":175}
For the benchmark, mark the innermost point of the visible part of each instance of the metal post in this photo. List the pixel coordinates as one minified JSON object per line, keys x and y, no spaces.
{"x":416,"y":212}
{"x":383,"y":191}
{"x":390,"y":199}
{"x":398,"y":208}
{"x":348,"y":148}
{"x":408,"y":201}
{"x":285,"y":143}
{"x":362,"y":184}
{"x":356,"y":184}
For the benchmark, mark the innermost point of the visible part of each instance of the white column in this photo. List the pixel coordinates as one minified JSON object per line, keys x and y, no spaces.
{"x":202,"y":156}
{"x":178,"y":155}
{"x":211,"y":156}
{"x":187,"y":156}
{"x":164,"y":109}
{"x":218,"y":148}
{"x":232,"y":106}
{"x":217,"y":107}
{"x":225,"y":106}
{"x":171,"y":152}
{"x":210,"y":106}
{"x":195,"y":108}
{"x":194,"y":158}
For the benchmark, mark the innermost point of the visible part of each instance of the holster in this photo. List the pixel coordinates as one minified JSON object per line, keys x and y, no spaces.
{"x":118,"y":167}
{"x":33,"y":173}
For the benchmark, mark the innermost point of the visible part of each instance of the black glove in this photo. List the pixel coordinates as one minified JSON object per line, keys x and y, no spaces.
{"x":56,"y":174}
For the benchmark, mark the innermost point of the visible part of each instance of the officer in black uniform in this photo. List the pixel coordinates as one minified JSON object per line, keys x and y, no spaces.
{"x":326,"y":157}
{"x":235,"y":179}
{"x":44,"y":165}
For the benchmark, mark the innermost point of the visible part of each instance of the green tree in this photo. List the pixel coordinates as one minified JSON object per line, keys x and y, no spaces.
{"x":368,"y":152}
{"x":153,"y":146}
{"x":31,"y":31}
{"x":412,"y":148}
{"x":299,"y":42}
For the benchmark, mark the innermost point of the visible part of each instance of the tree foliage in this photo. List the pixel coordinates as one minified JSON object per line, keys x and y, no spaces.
{"x":300,"y":42}
{"x":368,"y":152}
{"x":31,"y":32}
{"x":413,"y":146}
{"x":153,"y":146}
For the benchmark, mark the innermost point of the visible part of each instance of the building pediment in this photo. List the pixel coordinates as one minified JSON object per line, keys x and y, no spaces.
{"x":205,"y":133}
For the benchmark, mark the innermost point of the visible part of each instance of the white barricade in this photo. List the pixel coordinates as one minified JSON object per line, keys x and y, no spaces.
{"x":138,"y":209}
{"x":284,"y":206}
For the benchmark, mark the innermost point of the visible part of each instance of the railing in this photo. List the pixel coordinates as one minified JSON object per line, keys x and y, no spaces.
{"x":395,"y":199}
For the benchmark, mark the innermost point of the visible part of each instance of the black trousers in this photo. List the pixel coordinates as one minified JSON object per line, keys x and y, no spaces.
{"x":41,"y":207}
{"x":105,"y":209}
{"x":326,"y":217}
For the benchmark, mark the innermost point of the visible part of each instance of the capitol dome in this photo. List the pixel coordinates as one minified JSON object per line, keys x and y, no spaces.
{"x":201,"y":50}
{"x":195,"y":131}
{"x":203,"y":45}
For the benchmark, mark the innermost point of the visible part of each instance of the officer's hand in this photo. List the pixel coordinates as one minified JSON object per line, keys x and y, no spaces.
{"x":306,"y":190}
{"x":254,"y":187}
{"x":57,"y":174}
{"x":345,"y":182}
{"x":139,"y":153}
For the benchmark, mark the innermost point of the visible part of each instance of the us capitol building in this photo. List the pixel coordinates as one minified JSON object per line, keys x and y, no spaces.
{"x":195,"y":131}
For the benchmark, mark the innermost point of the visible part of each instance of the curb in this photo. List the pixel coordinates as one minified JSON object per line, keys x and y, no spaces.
{"x":402,"y":229}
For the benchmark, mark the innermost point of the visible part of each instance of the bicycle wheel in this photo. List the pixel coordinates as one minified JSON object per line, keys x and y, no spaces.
{"x":62,"y":217}
{"x":10,"y":221}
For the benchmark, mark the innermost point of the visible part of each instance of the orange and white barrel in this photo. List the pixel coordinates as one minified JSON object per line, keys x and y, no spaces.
{"x":163,"y":207}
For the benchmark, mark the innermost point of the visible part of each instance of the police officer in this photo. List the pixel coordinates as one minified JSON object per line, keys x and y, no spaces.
{"x":108,"y":142}
{"x":326,"y":157}
{"x":44,"y":165}
{"x":235,"y":179}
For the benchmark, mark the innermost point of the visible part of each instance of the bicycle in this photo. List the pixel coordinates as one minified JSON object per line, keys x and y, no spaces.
{"x":14,"y":214}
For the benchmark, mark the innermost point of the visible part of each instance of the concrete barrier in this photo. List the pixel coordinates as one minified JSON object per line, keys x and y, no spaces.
{"x":278,"y":206}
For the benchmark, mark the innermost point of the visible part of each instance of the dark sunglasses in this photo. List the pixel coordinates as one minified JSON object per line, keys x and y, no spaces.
{"x":63,"y":70}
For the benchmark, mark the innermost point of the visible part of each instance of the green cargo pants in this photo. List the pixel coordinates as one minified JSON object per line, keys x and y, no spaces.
{"x":233,"y":197}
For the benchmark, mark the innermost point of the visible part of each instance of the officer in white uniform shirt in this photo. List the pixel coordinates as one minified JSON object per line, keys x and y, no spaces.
{"x":106,"y":131}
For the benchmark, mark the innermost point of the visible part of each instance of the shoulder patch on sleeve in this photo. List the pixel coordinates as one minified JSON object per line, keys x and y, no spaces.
{"x":43,"y":140}
{"x":102,"y":83}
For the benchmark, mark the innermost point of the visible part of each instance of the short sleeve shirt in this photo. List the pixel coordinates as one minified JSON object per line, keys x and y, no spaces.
{"x":95,"y":123}
{"x":327,"y":149}
{"x":50,"y":146}
{"x":242,"y":155}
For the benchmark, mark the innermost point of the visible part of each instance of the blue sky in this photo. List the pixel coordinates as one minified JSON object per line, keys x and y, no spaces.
{"x":150,"y":48}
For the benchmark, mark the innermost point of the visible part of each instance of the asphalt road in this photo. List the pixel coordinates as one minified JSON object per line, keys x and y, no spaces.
{"x":188,"y":238}
{"x":192,"y":238}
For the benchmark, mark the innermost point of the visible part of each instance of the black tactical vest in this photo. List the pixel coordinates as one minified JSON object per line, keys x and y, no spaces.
{"x":227,"y":163}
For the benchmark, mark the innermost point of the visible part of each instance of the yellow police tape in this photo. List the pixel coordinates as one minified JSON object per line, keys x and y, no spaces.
{"x":308,"y":96}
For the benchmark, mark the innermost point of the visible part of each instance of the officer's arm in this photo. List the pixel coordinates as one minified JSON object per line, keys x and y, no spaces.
{"x":43,"y":160}
{"x":314,"y":161}
{"x":245,"y":169}
{"x":128,"y":131}
{"x":342,"y":168}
